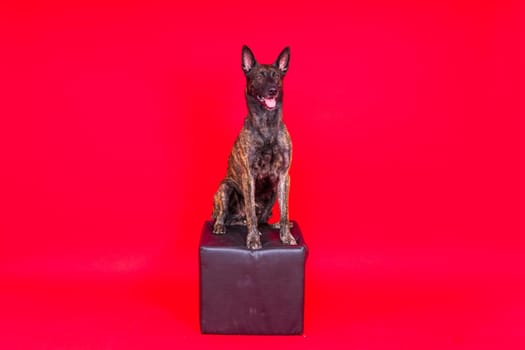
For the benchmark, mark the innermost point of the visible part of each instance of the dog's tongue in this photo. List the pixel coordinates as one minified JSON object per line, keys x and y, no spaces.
{"x":270,"y":102}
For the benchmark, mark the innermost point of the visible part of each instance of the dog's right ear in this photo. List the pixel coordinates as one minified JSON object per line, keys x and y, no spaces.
{"x":248,"y":60}
{"x":283,"y":60}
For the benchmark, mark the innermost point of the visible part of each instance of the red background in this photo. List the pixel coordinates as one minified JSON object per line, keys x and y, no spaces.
{"x":117,"y":119}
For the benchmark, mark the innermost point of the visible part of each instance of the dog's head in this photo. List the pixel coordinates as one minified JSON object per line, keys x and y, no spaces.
{"x":264,"y":82}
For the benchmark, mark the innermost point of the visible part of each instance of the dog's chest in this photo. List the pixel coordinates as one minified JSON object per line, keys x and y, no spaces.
{"x":269,"y":159}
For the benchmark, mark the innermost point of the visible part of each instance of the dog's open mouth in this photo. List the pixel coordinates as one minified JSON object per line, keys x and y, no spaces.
{"x":268,"y":102}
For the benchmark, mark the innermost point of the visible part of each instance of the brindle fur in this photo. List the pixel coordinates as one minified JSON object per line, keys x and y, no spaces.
{"x":259,"y":161}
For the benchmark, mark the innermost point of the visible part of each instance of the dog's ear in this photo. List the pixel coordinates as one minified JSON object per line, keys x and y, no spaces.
{"x":283,"y":60}
{"x":248,"y":60}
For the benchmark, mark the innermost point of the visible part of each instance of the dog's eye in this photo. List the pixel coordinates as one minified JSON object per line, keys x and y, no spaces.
{"x":259,"y":77}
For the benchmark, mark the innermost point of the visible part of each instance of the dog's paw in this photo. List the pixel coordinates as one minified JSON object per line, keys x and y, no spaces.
{"x":287,"y":238}
{"x":219,"y":229}
{"x":253,"y":240}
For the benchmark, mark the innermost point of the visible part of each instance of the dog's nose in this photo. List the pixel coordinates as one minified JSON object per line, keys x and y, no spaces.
{"x":272,"y":92}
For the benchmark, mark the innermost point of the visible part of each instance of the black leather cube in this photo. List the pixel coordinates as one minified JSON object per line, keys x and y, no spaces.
{"x":245,"y":291}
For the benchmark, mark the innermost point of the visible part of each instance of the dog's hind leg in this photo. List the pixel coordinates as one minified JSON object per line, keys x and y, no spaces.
{"x":220,"y":207}
{"x":267,"y":209}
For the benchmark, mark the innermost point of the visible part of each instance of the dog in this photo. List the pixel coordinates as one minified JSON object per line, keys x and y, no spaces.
{"x":260,"y":159}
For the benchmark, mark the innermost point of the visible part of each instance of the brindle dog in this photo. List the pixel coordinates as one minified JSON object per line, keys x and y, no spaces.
{"x":258,"y":166}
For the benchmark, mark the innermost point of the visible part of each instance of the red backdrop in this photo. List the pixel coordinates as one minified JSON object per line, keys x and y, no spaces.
{"x":406,"y":117}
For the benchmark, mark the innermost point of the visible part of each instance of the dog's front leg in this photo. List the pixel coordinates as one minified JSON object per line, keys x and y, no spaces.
{"x":253,"y":240}
{"x":283,"y":189}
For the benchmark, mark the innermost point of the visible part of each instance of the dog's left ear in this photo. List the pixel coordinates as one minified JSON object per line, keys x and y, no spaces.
{"x":283,"y":60}
{"x":248,"y":60}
